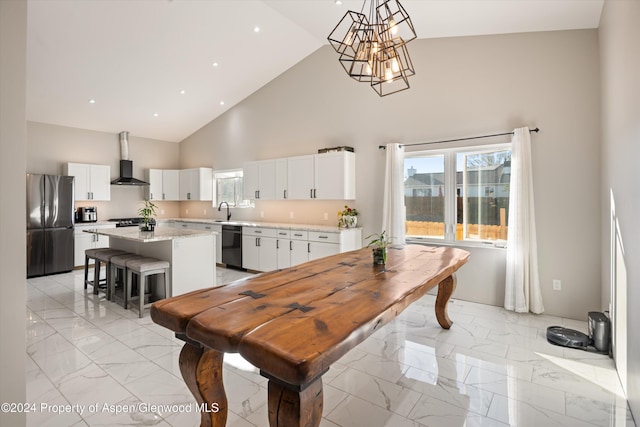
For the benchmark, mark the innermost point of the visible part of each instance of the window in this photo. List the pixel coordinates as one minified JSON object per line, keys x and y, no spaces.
{"x":228,"y":188}
{"x":458,"y":194}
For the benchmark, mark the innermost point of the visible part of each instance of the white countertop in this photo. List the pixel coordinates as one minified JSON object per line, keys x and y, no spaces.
{"x":278,"y":225}
{"x":161,"y":233}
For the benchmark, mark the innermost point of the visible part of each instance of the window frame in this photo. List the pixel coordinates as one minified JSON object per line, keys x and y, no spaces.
{"x":236,"y":174}
{"x":450,"y":187}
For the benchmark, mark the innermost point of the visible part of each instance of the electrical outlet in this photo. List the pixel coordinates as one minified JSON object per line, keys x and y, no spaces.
{"x":187,"y":211}
{"x":326,"y":216}
{"x":291,"y":215}
{"x":204,"y":211}
{"x":557,"y":285}
{"x":161,"y":211}
{"x":261,"y":214}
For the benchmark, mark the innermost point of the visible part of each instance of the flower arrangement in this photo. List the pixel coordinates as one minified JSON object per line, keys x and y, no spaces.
{"x":347,"y":217}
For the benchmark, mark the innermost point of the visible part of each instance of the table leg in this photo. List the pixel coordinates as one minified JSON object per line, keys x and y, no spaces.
{"x":201,"y":369}
{"x":445,"y":289}
{"x":292,"y":408}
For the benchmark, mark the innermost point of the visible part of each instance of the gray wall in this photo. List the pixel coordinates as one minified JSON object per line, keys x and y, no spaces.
{"x":620,"y":64}
{"x":13,"y":47}
{"x":464,"y":86}
{"x":50,"y":147}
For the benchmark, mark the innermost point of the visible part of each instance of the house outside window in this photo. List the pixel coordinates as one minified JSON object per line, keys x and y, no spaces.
{"x":458,"y":194}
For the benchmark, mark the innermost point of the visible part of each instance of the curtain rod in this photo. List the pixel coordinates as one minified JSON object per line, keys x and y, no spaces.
{"x":383,"y":147}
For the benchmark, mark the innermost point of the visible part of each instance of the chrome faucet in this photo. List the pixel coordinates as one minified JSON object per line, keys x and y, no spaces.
{"x":228,"y":213}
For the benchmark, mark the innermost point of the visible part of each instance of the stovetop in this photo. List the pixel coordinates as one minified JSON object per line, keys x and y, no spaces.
{"x":127,"y":222}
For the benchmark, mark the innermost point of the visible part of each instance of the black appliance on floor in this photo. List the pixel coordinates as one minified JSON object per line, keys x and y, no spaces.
{"x":50,"y":217}
{"x":598,"y":340}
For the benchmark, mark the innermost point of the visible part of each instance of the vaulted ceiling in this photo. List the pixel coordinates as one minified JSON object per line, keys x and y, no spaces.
{"x":162,"y":69}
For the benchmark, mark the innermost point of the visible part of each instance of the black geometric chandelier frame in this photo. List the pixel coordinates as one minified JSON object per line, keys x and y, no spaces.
{"x":373,"y":48}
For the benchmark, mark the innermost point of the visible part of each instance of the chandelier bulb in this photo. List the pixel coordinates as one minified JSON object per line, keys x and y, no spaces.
{"x":393,"y":28}
{"x":394,"y":65}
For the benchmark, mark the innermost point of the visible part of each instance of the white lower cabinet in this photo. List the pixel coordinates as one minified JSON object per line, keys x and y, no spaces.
{"x":299,"y":247}
{"x":259,"y":249}
{"x":207,"y":227}
{"x":83,"y":241}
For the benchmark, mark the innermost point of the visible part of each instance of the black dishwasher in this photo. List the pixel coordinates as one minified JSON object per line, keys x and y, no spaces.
{"x":232,"y":245}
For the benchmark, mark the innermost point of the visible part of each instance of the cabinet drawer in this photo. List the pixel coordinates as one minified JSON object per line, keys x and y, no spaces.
{"x":259,"y":231}
{"x":316,"y":236}
{"x":299,"y":235}
{"x":283,"y":234}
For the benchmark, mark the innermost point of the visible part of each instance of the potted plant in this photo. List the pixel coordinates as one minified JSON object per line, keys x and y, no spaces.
{"x":348,"y":217}
{"x":147,"y":212}
{"x":379,"y":243}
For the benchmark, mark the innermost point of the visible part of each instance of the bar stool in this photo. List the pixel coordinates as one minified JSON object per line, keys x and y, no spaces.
{"x":98,"y":255}
{"x":119,"y":262}
{"x":145,"y":268}
{"x":105,"y":256}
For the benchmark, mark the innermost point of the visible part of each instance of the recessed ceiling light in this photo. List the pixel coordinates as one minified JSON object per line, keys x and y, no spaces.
{"x":256,"y":29}
{"x":182,"y":92}
{"x":155,"y":114}
{"x":338,"y":2}
{"x":215,"y":64}
{"x":92,"y":101}
{"x":221,"y":102}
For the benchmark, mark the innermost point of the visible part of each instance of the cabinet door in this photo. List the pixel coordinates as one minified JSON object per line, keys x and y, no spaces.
{"x":300,"y":177}
{"x":155,"y":184}
{"x":81,"y":242}
{"x":322,"y":249}
{"x":281,"y":179}
{"x":100,"y":182}
{"x":334,"y":176}
{"x":268,"y":253}
{"x":186,"y":184}
{"x":283,"y":250}
{"x":170,"y":184}
{"x":82,"y":189}
{"x":204,"y":184}
{"x":250,"y":253}
{"x":299,"y":252}
{"x":267,"y":180}
{"x":250,"y":180}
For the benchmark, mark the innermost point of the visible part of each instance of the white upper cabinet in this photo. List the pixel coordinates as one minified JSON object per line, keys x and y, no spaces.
{"x":300,"y":179}
{"x":196,"y":184}
{"x":327,"y":176}
{"x":259,"y":180}
{"x":164,"y":184}
{"x":92,"y":182}
{"x":282,"y":186}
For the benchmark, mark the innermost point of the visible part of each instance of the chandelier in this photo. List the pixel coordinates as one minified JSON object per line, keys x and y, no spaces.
{"x":373,"y":49}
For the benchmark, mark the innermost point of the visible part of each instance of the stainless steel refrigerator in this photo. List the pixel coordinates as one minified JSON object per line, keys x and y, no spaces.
{"x":49,"y":224}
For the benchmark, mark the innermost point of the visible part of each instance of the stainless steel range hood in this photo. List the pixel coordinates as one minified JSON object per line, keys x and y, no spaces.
{"x":126,"y":165}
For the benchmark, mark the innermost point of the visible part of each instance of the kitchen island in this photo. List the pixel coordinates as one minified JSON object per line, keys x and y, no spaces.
{"x":192,"y":253}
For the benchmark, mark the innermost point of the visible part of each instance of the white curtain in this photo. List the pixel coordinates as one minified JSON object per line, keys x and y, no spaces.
{"x":393,"y":216}
{"x":522,"y":290}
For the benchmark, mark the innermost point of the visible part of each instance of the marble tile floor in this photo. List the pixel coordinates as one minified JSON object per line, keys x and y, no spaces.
{"x":492,"y":368}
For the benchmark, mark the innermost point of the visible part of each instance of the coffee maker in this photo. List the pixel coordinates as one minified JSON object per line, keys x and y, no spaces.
{"x":87,"y":214}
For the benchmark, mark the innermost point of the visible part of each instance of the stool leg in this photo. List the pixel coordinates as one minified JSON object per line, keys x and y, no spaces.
{"x":142,"y":280}
{"x":127,"y":287}
{"x":96,"y":276}
{"x":86,"y":270}
{"x":107,"y":273}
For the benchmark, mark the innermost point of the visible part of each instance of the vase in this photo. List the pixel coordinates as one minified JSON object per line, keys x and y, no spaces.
{"x":379,"y":256}
{"x":349,"y":221}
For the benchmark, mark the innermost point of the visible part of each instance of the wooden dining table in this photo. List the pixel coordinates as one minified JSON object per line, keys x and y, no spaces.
{"x":293,"y":324}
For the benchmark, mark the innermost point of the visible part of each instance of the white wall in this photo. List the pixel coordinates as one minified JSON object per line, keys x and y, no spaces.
{"x":49,"y":147}
{"x":464,"y":86}
{"x":620,"y":64}
{"x":13,"y":47}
